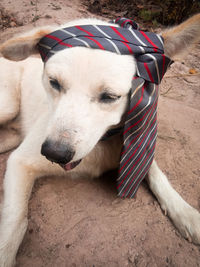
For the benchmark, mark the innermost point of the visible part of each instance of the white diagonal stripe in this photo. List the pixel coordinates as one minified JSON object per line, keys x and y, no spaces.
{"x":143,"y":107}
{"x":73,"y":35}
{"x":141,"y":136}
{"x":100,"y":30}
{"x":137,"y":37}
{"x":45,"y":46}
{"x":139,"y":127}
{"x":114,"y":45}
{"x":142,"y":176}
{"x":135,"y":156}
{"x":83,"y":42}
{"x":137,"y":71}
{"x":52,"y":51}
{"x":142,"y":49}
{"x":139,"y":86}
{"x":159,"y":37}
{"x":109,"y":39}
{"x":137,"y":166}
{"x":156,"y":64}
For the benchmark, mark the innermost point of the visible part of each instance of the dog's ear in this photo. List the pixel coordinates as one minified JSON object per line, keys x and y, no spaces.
{"x":22,"y":46}
{"x":178,"y":39}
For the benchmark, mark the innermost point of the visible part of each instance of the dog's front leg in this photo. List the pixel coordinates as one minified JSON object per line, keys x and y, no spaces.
{"x":24,"y":165}
{"x":18,"y":183}
{"x":185,"y":217}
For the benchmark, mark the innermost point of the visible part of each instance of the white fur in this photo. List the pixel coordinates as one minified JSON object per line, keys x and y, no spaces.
{"x":74,"y":116}
{"x":185,"y":217}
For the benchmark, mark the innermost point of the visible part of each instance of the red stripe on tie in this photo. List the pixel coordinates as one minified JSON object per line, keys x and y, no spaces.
{"x":148,"y":71}
{"x":137,"y":160}
{"x":139,"y":101}
{"x":163,"y":65}
{"x":149,"y":40}
{"x":137,"y":147}
{"x":145,"y":170}
{"x":127,"y":20}
{"x":122,"y":25}
{"x":150,"y":127}
{"x":151,"y":108}
{"x":136,"y":137}
{"x":99,"y":44}
{"x":83,"y":30}
{"x":129,"y":48}
{"x":118,"y":33}
{"x":58,"y":39}
{"x":150,"y":153}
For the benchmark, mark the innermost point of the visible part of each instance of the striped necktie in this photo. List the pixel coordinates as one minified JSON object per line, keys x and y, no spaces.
{"x":140,"y":128}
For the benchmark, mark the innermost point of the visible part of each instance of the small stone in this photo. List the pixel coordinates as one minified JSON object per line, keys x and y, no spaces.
{"x":30,"y":231}
{"x":13,"y":24}
{"x":48,"y":16}
{"x":192,"y":71}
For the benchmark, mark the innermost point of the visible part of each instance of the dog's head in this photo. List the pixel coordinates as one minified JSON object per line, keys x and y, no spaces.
{"x":88,"y":89}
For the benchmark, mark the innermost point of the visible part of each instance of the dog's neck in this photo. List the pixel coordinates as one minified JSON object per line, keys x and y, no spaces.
{"x":116,"y":129}
{"x":111,"y":133}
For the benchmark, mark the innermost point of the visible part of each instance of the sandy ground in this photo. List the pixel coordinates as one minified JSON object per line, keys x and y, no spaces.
{"x":82,"y":222}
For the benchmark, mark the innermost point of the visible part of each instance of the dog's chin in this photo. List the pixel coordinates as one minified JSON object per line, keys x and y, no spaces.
{"x":70,"y":166}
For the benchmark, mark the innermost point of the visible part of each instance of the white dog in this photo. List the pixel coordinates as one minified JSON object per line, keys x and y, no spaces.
{"x":60,"y":105}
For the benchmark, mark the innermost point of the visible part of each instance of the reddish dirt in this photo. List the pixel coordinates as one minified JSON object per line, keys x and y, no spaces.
{"x":82,"y":222}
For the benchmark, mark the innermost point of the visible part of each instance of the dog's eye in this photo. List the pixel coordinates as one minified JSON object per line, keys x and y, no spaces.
{"x":55,"y":84}
{"x":108,"y":98}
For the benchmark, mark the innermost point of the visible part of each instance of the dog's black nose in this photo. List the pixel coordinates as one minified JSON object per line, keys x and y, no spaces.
{"x":57,"y":152}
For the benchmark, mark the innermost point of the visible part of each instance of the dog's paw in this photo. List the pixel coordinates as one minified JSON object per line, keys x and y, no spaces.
{"x":188,"y":223}
{"x":6,"y":258}
{"x":11,"y":235}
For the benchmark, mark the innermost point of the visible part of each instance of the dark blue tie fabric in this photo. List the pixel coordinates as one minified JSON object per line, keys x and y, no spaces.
{"x":140,"y":128}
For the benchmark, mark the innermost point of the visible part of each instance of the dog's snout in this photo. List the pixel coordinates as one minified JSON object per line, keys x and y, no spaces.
{"x":57,"y":152}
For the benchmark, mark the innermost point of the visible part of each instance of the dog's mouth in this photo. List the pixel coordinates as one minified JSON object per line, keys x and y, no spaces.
{"x":70,"y":166}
